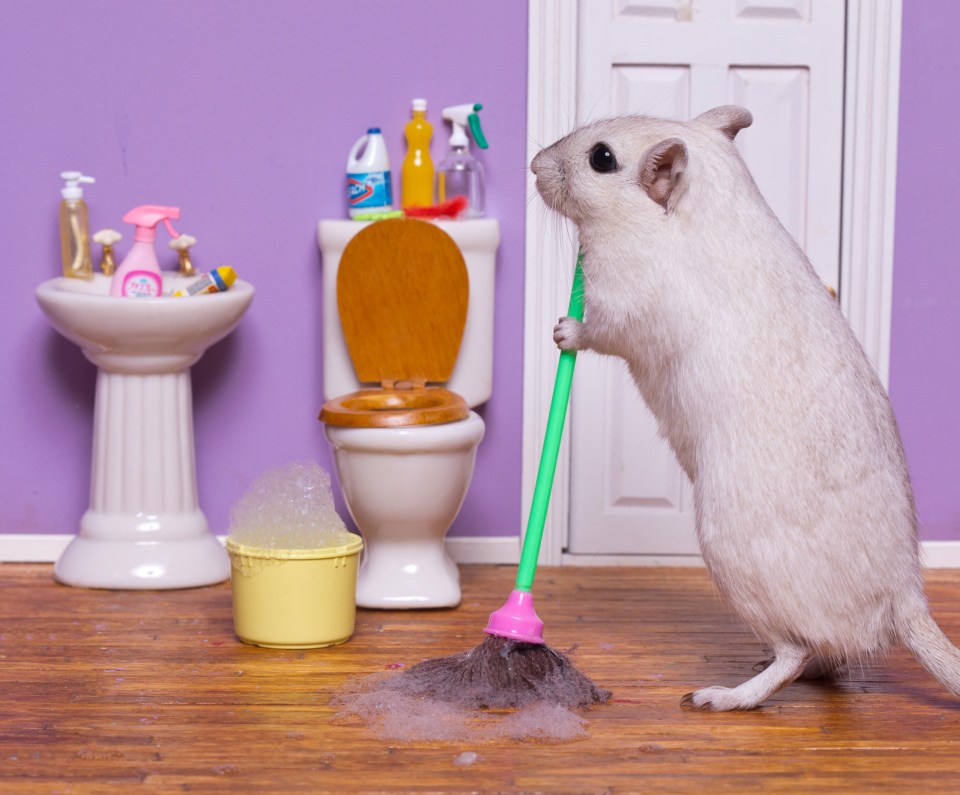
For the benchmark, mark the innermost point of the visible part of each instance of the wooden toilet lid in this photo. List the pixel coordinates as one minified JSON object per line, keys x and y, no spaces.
{"x":402,"y":293}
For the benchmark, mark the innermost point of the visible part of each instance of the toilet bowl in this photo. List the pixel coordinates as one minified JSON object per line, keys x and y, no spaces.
{"x":404,"y":445}
{"x":404,"y":487}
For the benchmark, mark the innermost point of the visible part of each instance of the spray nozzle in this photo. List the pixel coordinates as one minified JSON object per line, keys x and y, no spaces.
{"x":463,"y":116}
{"x":147,"y":216}
{"x":72,"y":180}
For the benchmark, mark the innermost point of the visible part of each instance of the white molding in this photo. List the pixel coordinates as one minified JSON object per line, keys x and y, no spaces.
{"x":23,"y":548}
{"x":551,"y":107}
{"x":933,"y":555}
{"x":940,"y":554}
{"x":871,"y":119}
{"x":644,"y":561}
{"x":484,"y":549}
{"x":872,"y":86}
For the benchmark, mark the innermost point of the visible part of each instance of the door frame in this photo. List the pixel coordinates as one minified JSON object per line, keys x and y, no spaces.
{"x":871,"y":106}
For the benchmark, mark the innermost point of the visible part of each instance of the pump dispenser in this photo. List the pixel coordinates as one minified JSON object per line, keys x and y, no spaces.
{"x":139,"y":274}
{"x":459,"y":173}
{"x":75,"y":227}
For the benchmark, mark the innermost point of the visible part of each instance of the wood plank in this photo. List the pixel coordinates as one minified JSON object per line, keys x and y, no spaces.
{"x":105,"y":690}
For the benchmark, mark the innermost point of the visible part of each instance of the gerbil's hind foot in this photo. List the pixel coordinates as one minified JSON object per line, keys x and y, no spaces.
{"x":787,"y":666}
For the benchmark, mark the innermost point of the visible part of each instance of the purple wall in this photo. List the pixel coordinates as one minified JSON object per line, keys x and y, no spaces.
{"x":925,"y":345}
{"x":242,"y":114}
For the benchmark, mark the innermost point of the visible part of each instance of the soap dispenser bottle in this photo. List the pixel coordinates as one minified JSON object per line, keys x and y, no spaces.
{"x":75,"y":227}
{"x":460,"y":173}
{"x":139,"y":274}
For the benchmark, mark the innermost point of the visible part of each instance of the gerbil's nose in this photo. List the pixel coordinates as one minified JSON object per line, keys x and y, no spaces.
{"x":536,"y":162}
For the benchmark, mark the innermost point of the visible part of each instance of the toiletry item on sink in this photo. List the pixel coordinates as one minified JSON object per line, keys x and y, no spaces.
{"x":139,"y":274}
{"x":459,"y":173}
{"x":74,"y":227}
{"x":368,"y":175}
{"x":416,"y":186}
{"x":219,"y":280}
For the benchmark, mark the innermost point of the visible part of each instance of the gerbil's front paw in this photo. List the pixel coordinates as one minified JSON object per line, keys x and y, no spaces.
{"x":716,"y":699}
{"x":568,"y":334}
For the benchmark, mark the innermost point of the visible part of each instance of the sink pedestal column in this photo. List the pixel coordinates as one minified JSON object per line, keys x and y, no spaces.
{"x":144,"y":528}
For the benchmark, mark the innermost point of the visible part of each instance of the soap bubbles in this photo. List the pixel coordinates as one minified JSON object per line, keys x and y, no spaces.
{"x":288,"y":507}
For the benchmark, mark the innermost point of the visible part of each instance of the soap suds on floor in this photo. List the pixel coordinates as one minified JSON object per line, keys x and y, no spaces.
{"x":390,"y":714}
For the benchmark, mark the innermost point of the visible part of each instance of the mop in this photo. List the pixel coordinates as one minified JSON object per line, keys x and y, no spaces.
{"x":514,"y":666}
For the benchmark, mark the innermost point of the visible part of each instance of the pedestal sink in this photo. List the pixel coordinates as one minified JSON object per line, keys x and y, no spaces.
{"x":144,"y":528}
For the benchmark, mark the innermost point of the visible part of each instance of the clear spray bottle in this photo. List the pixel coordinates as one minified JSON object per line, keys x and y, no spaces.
{"x":460,"y":173}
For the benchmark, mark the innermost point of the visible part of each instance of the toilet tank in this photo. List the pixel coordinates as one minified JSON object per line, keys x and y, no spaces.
{"x":472,"y":376}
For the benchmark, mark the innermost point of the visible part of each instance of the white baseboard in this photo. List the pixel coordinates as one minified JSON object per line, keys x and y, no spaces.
{"x":684,"y":561}
{"x":24,"y":548}
{"x":940,"y":554}
{"x":485,"y":549}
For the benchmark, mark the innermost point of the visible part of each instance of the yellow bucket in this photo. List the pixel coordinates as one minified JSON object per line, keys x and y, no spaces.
{"x":294,"y":598}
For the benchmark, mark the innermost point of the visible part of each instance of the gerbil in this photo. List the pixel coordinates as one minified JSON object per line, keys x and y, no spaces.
{"x":804,"y":510}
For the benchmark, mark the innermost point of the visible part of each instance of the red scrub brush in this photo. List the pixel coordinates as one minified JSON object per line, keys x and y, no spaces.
{"x":514,"y":666}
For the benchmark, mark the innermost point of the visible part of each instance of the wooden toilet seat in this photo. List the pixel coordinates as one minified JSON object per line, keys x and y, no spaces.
{"x":395,"y":408}
{"x":402,"y":294}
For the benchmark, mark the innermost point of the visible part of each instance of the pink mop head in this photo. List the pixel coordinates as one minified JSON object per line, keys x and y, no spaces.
{"x":517,"y":620}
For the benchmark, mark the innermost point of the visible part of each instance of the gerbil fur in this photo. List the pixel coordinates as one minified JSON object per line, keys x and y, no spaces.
{"x":804,"y":509}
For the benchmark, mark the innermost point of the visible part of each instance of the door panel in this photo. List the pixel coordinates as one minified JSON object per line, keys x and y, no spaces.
{"x":782,"y":59}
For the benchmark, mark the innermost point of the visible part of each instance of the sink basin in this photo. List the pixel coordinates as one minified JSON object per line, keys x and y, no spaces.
{"x":141,"y":335}
{"x":144,"y":528}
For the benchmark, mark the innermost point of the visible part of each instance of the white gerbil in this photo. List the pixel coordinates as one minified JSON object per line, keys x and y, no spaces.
{"x":804,"y":510}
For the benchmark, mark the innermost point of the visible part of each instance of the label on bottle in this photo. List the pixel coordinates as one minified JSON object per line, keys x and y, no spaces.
{"x":369,"y":191}
{"x":141,"y":284}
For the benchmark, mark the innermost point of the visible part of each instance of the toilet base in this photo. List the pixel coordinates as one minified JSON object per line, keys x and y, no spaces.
{"x":403,"y":488}
{"x":409,"y":575}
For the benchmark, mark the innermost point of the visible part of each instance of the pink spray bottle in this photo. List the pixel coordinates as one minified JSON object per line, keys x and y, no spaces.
{"x":139,"y":274}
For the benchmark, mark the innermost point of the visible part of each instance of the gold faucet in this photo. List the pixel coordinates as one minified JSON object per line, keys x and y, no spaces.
{"x":182,"y":246}
{"x":107,"y":238}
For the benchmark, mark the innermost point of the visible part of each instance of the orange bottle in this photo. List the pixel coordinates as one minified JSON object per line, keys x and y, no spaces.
{"x":416,"y":189}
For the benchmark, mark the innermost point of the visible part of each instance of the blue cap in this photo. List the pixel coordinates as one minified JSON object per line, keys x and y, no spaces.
{"x":373,"y":131}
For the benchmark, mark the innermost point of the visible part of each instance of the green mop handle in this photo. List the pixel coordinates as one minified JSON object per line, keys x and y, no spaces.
{"x":551,"y":445}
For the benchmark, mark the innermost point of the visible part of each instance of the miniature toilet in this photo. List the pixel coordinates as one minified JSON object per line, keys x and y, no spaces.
{"x":404,"y":446}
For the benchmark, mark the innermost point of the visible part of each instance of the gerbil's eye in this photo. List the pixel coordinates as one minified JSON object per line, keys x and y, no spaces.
{"x":602,"y":159}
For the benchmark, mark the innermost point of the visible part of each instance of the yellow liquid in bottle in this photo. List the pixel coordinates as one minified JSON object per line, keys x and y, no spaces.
{"x":75,"y":239}
{"x":416,"y":189}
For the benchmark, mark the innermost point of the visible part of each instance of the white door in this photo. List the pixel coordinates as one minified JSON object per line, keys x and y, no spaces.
{"x":782,"y":59}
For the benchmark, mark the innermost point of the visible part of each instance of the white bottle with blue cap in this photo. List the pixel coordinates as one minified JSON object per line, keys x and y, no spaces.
{"x":368,"y":175}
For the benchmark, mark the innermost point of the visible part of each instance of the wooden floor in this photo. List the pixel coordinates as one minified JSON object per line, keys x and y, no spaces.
{"x":116,"y":692}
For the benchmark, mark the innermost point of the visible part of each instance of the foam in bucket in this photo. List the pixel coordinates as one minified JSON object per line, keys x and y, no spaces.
{"x":289,"y":507}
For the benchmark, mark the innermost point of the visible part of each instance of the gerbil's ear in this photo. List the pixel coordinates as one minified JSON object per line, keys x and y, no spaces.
{"x":661,"y":169}
{"x":729,"y":119}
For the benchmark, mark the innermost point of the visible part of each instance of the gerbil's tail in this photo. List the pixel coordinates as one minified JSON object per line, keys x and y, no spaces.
{"x":933,"y":650}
